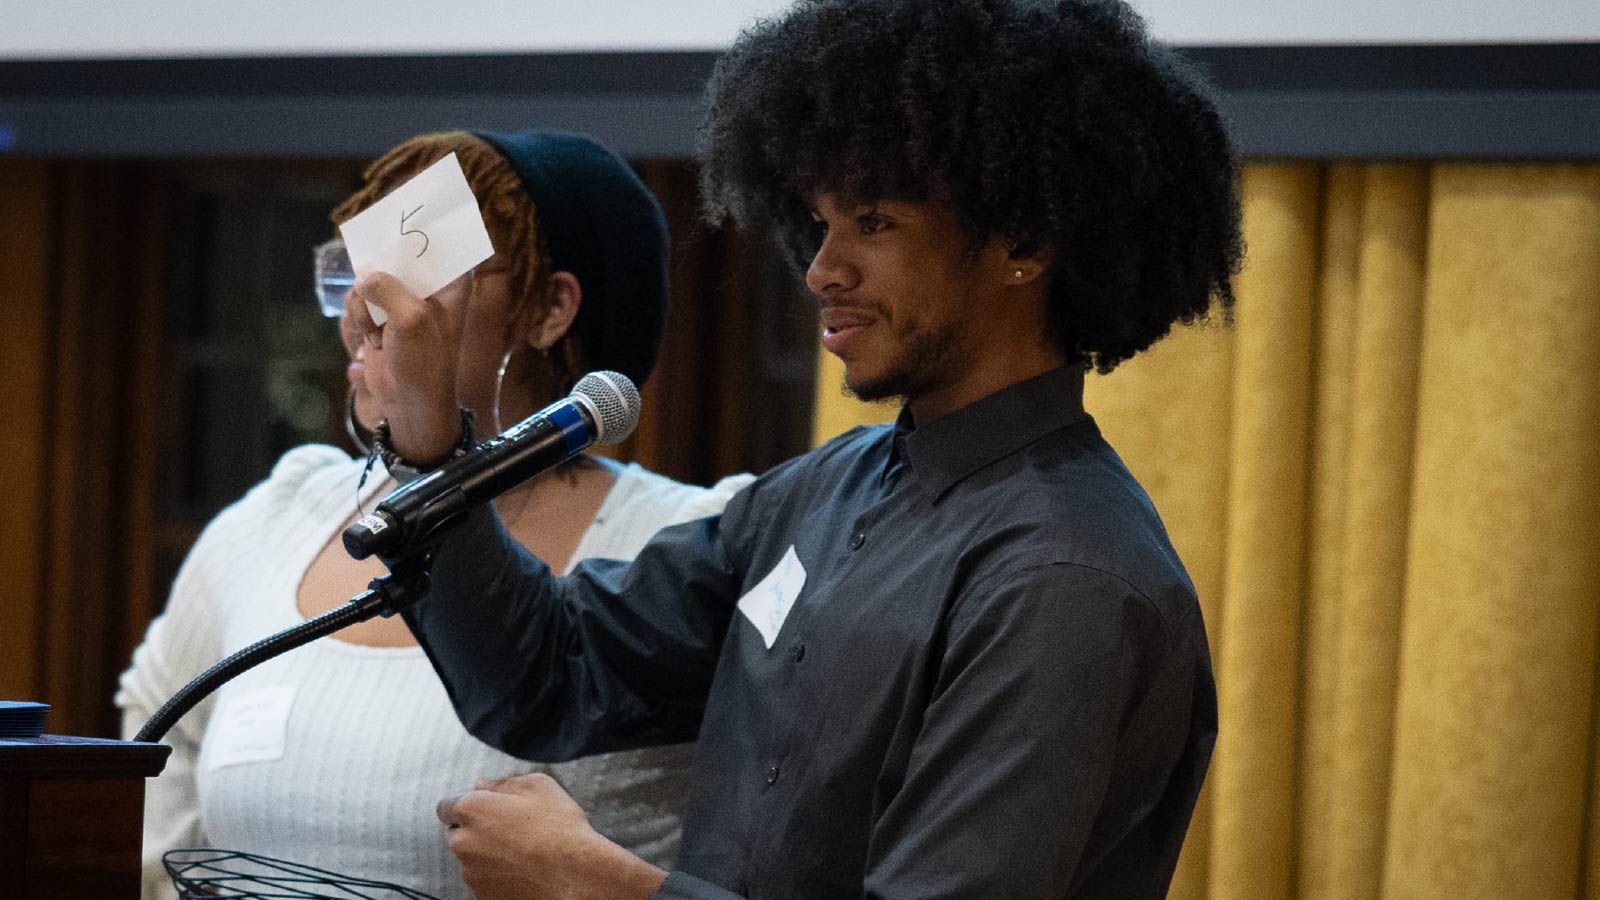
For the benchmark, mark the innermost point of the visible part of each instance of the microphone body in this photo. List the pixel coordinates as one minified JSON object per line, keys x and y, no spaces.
{"x":415,"y":512}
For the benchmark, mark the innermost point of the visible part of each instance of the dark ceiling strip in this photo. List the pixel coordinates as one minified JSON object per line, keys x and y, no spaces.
{"x":1489,"y":101}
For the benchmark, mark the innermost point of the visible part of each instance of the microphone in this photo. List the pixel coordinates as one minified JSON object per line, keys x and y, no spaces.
{"x":602,"y":409}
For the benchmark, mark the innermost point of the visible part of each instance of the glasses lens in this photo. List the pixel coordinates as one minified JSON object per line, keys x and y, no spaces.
{"x":332,"y":276}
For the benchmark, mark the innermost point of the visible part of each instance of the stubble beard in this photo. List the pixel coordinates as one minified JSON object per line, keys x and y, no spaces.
{"x":923,"y":354}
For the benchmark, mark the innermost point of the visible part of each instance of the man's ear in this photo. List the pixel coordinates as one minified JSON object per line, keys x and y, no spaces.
{"x":563,"y":297}
{"x":1017,"y":269}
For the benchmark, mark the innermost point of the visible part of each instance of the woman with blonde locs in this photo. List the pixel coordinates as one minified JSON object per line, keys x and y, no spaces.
{"x":336,"y":754}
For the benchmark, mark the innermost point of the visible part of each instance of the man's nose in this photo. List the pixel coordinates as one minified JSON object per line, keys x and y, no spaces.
{"x":831,"y":271}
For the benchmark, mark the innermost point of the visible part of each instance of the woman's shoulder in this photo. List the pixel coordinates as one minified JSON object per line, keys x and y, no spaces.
{"x":301,"y":463}
{"x":311,"y":468}
{"x":308,"y":458}
{"x":643,"y":502}
{"x":251,"y":537}
{"x":307,"y":471}
{"x":639,"y":491}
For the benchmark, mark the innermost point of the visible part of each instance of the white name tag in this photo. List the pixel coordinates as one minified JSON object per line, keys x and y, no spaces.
{"x":426,"y":232}
{"x":768,"y":603}
{"x":250,"y":727}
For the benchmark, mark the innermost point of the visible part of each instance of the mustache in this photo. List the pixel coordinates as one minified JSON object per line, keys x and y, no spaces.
{"x":863,"y":304}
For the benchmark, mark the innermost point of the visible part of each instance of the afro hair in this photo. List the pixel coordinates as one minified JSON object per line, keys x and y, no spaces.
{"x":1056,"y":127}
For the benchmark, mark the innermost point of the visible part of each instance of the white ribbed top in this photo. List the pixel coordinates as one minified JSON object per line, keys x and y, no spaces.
{"x":371,"y":742}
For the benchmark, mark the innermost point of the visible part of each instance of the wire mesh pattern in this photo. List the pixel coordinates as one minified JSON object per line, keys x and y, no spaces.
{"x":615,"y":403}
{"x":209,"y":873}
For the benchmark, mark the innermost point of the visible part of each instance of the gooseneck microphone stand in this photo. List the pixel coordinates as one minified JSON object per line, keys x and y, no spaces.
{"x":405,"y":584}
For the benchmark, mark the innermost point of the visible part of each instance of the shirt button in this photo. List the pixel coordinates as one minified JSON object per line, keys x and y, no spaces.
{"x":799,"y":652}
{"x":857,"y":540}
{"x":772,"y":774}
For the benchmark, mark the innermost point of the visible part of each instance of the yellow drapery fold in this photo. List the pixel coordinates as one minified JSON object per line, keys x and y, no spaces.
{"x":1494,"y":723}
{"x":1344,"y":199}
{"x":1252,"y":843}
{"x":1372,"y":536}
{"x":1385,"y":480}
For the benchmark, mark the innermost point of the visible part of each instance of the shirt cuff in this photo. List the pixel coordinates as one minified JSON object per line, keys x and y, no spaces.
{"x":679,"y":886}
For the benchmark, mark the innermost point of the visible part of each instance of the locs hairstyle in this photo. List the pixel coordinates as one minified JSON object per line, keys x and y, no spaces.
{"x":1057,"y":127}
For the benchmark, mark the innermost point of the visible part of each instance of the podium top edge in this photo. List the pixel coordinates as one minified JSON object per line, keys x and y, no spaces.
{"x":63,"y":756}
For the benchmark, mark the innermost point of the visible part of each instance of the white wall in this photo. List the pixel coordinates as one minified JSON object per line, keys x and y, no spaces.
{"x":121,"y":28}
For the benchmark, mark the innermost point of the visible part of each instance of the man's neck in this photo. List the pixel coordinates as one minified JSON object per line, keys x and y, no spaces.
{"x":936,"y":403}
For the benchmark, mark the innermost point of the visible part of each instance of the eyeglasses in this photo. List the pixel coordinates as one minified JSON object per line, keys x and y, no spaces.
{"x":332,"y":277}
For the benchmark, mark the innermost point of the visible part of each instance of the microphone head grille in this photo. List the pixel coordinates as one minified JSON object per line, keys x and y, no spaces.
{"x":614,"y":401}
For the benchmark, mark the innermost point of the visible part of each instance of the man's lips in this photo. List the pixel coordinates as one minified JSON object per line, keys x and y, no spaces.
{"x":841,"y":325}
{"x":839,"y":318}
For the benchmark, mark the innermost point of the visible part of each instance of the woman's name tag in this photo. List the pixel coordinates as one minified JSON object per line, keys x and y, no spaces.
{"x":250,"y":727}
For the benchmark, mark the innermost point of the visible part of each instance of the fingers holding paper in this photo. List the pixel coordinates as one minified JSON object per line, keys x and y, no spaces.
{"x":414,"y":250}
{"x":409,"y":361}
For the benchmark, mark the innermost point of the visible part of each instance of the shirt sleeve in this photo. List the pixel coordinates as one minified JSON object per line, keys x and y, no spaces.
{"x":614,"y":656}
{"x":172,"y":652}
{"x":179,"y":644}
{"x":1058,"y":687}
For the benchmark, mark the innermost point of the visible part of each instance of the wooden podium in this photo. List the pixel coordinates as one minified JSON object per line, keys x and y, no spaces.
{"x":71,"y":816}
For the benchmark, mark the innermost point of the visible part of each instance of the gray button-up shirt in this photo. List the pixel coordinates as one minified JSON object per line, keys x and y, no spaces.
{"x":961,"y":660}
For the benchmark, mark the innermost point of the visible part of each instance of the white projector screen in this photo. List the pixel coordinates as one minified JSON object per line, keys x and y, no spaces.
{"x":76,"y":29}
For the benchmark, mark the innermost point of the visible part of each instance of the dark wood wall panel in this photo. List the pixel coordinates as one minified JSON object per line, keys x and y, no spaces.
{"x":109,"y":273}
{"x":24,"y":328}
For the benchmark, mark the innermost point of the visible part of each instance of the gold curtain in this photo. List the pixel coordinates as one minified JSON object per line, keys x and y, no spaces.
{"x":1385,"y":481}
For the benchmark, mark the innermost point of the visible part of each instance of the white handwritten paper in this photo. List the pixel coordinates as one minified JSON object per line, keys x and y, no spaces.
{"x":427,"y":232}
{"x":767,"y":604}
{"x":249,"y":727}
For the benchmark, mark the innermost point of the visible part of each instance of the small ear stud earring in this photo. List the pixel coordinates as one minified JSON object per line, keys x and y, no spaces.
{"x":1017,"y":274}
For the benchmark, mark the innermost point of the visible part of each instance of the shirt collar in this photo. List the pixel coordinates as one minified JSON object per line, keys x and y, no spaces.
{"x":945,"y":451}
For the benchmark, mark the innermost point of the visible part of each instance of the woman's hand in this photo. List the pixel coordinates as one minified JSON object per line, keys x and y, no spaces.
{"x":410,"y":363}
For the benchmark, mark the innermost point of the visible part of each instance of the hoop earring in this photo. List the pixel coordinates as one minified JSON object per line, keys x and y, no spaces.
{"x":499,"y":382}
{"x":353,"y":426}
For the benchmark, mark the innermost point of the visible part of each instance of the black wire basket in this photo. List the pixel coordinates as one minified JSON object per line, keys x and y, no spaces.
{"x":205,"y":873}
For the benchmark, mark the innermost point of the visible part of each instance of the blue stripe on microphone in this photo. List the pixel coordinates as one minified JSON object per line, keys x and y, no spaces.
{"x":574,"y":427}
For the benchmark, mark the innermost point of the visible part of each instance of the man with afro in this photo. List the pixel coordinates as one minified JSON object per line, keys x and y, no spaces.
{"x":951,"y":657}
